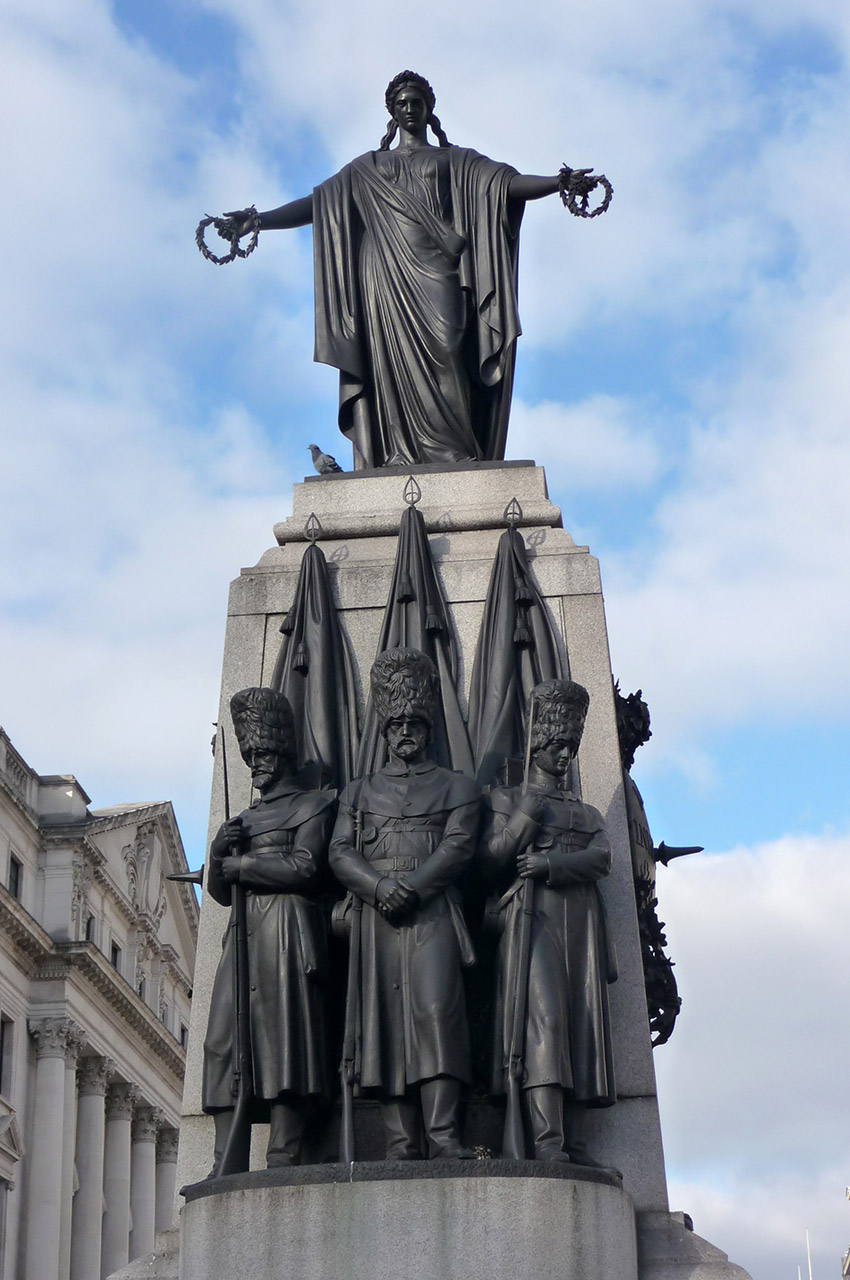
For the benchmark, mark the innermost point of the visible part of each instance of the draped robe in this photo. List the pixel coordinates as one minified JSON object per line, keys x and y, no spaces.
{"x":415,"y":260}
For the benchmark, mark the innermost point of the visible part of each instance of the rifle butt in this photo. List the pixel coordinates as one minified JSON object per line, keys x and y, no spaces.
{"x":237,"y":1151}
{"x":513,"y":1140}
{"x":346,"y":1132}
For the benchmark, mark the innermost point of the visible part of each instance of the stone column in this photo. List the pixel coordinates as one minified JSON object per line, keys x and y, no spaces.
{"x":44,"y":1203}
{"x":87,"y":1222}
{"x":166,"y":1178}
{"x":69,"y":1137}
{"x":146,"y":1122}
{"x":115,"y":1253}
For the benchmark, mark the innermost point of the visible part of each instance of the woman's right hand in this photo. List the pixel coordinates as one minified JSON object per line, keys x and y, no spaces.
{"x":239,"y":222}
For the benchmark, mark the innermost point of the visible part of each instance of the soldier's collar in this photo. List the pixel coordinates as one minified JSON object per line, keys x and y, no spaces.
{"x":399,"y":770}
{"x":286,"y":787}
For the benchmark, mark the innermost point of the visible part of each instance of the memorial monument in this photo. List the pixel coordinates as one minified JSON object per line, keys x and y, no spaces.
{"x":441,"y":643}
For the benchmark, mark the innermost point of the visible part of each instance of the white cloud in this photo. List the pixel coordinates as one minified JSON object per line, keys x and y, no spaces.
{"x":589,"y":446}
{"x":752,"y":1085}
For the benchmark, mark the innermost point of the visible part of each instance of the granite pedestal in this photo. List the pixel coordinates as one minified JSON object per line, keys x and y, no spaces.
{"x":463,"y":508}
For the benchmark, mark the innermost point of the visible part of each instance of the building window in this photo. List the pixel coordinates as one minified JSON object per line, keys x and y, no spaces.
{"x":91,"y":924}
{"x":7,"y":1031}
{"x":16,"y":875}
{"x":143,"y":987}
{"x":184,"y":1034}
{"x":115,"y":956}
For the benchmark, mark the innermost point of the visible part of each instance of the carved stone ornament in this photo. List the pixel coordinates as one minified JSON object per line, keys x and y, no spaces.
{"x":166,"y":1145}
{"x":94,"y":1075}
{"x":51,"y":1036}
{"x":74,"y":1044}
{"x":121,"y":1101}
{"x":146,"y":1123}
{"x":143,"y":860}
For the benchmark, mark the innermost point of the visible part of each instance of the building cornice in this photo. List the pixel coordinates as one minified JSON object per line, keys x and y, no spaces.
{"x":83,"y":961}
{"x":26,"y":935}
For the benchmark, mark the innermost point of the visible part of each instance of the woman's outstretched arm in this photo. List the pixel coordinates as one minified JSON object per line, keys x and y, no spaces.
{"x":528,"y":186}
{"x":297,"y":213}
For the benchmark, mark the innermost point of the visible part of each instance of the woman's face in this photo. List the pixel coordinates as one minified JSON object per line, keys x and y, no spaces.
{"x":410,"y":109}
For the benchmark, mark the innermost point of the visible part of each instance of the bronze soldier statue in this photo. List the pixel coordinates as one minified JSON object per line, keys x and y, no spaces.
{"x":557,"y":982}
{"x":276,"y":851}
{"x":403,"y":836}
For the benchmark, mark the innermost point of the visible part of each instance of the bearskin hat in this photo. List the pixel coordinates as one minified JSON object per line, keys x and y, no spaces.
{"x":262,"y":719}
{"x":404,"y":683}
{"x":560,"y":710}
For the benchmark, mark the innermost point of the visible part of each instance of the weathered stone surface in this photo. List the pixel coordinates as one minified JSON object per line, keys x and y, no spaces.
{"x":467,"y":496}
{"x":162,"y":1264}
{"x":670,"y":1249}
{"x":413,"y":1228}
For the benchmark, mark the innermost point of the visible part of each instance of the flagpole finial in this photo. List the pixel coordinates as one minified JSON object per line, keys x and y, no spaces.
{"x":513,"y":513}
{"x":412,"y":492}
{"x":313,"y":528}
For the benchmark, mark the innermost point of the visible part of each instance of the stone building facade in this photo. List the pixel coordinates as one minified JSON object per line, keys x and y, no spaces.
{"x":97,"y":952}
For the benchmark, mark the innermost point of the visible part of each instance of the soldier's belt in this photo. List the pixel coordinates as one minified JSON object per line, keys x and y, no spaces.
{"x":399,"y":862}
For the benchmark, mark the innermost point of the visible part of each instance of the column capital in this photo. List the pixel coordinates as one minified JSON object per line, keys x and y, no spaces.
{"x":121,"y":1100}
{"x":166,"y":1145}
{"x":146,"y":1123}
{"x":51,"y":1036}
{"x":74,"y":1044}
{"x":94,"y":1074}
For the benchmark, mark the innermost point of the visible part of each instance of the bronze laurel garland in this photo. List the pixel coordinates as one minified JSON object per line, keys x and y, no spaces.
{"x":574,"y":196}
{"x":235,"y":251}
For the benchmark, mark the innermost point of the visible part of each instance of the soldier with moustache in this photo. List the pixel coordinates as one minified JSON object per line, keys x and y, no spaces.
{"x":403,"y":837}
{"x":548,"y":835}
{"x":277,"y":851}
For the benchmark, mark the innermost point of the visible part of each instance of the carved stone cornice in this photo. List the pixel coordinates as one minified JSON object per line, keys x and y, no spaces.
{"x":94,"y":1075}
{"x":51,"y":1036}
{"x":87,"y":964}
{"x":166,"y":1145}
{"x":31,"y":943}
{"x":121,"y":1101}
{"x":146,"y":1123}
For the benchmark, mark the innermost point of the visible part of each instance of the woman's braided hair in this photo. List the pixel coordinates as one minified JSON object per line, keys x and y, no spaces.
{"x":394,"y":87}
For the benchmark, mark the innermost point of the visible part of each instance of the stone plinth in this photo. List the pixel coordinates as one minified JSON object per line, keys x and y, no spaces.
{"x":463,"y":509}
{"x":487,"y":1219}
{"x":401,"y":1221}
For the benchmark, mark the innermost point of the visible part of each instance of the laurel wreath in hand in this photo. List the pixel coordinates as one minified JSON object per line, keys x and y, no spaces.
{"x":224,"y":227}
{"x":575,"y":186}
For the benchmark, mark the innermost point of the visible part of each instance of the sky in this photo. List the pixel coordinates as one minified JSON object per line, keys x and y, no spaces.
{"x":683,"y":376}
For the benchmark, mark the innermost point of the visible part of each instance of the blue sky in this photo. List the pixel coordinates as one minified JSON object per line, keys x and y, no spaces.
{"x":683,"y":376}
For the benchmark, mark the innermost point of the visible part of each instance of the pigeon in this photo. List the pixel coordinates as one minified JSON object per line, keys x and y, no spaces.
{"x":323,"y":462}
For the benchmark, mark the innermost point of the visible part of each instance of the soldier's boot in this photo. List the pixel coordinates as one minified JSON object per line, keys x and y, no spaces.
{"x":403,"y":1129}
{"x":576,"y":1124}
{"x":440,"y":1100}
{"x":545,"y":1106}
{"x":222,"y":1121}
{"x":286,"y":1134}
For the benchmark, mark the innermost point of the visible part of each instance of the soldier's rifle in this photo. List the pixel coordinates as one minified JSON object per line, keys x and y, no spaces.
{"x":513,"y":1142}
{"x":237,"y":1150}
{"x":348,"y":1065}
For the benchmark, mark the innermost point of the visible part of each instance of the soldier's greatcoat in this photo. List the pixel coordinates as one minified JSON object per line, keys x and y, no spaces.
{"x":567,"y":1032}
{"x":421,"y":822}
{"x":286,"y":837}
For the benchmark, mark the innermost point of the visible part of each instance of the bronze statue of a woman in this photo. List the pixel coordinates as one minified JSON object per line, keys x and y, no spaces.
{"x":415,"y":259}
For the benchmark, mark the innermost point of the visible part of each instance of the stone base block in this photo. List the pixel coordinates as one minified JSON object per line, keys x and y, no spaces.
{"x":162,"y":1264}
{"x":366,"y":504}
{"x":480,"y":1220}
{"x":670,"y":1249}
